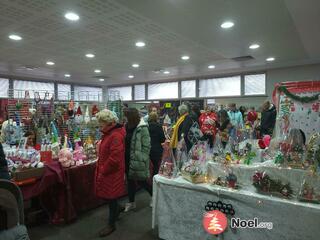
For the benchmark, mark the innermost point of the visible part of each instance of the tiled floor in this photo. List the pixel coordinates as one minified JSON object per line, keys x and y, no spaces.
{"x":135,"y":225}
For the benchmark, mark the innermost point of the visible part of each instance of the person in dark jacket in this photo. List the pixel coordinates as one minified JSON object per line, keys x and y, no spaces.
{"x":4,"y":173}
{"x":185,"y":126}
{"x":195,"y":113}
{"x":110,"y":169}
{"x":137,"y":153}
{"x":268,"y":118}
{"x":157,"y":138}
{"x":181,"y":128}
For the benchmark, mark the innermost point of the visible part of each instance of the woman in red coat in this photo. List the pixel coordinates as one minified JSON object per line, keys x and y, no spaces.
{"x":110,"y":171}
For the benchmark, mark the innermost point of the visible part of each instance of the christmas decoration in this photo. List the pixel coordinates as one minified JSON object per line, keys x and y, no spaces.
{"x":304,"y":99}
{"x":264,"y":184}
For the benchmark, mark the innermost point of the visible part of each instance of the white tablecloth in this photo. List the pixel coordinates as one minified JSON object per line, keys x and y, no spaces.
{"x":179,"y":208}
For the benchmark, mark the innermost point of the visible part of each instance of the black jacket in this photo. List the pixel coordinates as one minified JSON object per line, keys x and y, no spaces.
{"x":4,"y":174}
{"x":268,"y":121}
{"x":157,"y":138}
{"x":184,"y":129}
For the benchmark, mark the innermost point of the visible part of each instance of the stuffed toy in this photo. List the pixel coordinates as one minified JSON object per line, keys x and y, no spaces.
{"x":78,"y":154}
{"x":71,"y":108}
{"x":79,"y":117}
{"x":65,"y":157}
{"x":87,"y":116}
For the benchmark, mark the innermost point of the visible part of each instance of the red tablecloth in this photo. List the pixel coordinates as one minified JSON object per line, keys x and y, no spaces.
{"x":64,"y":192}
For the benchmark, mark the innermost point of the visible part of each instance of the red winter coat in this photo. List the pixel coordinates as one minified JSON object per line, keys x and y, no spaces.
{"x":206,"y":125}
{"x":110,"y":170}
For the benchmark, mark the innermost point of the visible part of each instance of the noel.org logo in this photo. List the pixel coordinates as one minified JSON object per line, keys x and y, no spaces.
{"x":215,"y":222}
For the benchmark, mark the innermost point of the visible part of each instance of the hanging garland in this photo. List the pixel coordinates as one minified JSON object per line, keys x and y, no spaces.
{"x":304,"y":99}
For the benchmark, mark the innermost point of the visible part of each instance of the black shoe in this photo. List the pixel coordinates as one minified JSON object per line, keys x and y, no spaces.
{"x":107,"y":231}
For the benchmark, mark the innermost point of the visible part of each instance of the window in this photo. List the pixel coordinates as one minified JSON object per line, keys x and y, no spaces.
{"x":26,"y":89}
{"x":255,"y":84}
{"x":220,"y":87}
{"x":188,"y":89}
{"x":64,"y":92}
{"x":4,"y":83}
{"x":163,"y":91}
{"x":82,"y":93}
{"x":139,"y":92}
{"x":125,"y":93}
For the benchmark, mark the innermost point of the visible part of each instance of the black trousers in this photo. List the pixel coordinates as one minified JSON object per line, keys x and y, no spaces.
{"x":156,"y":164}
{"x":132,"y":188}
{"x":113,"y":212}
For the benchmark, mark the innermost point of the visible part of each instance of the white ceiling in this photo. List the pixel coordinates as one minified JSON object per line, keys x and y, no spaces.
{"x":286,"y":29}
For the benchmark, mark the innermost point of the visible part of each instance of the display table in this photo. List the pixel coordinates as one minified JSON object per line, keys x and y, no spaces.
{"x":64,"y":192}
{"x":179,"y":207}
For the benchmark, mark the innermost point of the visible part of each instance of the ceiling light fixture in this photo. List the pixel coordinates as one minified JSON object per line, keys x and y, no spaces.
{"x":101,"y":79}
{"x":270,"y":59}
{"x":50,"y":63}
{"x":97,"y":71}
{"x":140,"y":44}
{"x":90,"y":55}
{"x":166,"y":72}
{"x":185,"y":57}
{"x":135,"y":65}
{"x":227,"y":25}
{"x":72,"y":16}
{"x":130,"y":76}
{"x":15,"y":37}
{"x":254,"y":46}
{"x":211,"y":66}
{"x":67,"y":75}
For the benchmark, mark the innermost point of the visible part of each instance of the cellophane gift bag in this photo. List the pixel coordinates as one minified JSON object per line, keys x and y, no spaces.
{"x":195,"y":168}
{"x":181,"y":155}
{"x":168,"y":166}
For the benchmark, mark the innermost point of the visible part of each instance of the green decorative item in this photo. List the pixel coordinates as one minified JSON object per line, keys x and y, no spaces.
{"x":249,"y":158}
{"x":18,"y":105}
{"x":304,"y":99}
{"x":279,"y":159}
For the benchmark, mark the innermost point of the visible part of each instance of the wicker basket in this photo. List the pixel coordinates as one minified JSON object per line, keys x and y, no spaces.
{"x":193,"y":178}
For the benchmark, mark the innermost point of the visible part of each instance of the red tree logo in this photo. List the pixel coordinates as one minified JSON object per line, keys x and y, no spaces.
{"x":215,"y":222}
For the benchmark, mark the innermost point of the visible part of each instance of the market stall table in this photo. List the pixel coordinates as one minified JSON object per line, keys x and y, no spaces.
{"x":179,"y":207}
{"x":64,"y":192}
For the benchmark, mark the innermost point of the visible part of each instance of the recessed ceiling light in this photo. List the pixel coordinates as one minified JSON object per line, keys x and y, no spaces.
{"x":15,"y":37}
{"x":135,"y":65}
{"x":72,"y":16}
{"x":50,"y":63}
{"x":211,"y":66}
{"x":101,"y":79}
{"x":140,"y":44}
{"x":130,"y":76}
{"x":67,"y":75}
{"x":254,"y":46}
{"x":97,"y":71}
{"x":227,"y":25}
{"x":185,"y":57}
{"x":90,"y":55}
{"x":166,"y":72}
{"x":270,"y":59}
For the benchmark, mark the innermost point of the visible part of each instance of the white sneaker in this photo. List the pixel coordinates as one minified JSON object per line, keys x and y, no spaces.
{"x":130,"y":206}
{"x":151,"y":203}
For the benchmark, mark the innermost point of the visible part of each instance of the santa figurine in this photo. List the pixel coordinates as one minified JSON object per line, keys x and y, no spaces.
{"x":78,"y":117}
